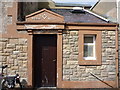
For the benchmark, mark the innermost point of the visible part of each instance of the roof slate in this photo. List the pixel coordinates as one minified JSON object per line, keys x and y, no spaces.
{"x":71,"y":17}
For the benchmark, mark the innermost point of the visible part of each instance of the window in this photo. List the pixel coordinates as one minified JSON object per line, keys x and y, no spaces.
{"x":89,"y":47}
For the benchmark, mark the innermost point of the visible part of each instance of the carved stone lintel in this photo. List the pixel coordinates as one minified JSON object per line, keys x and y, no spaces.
{"x":31,"y":32}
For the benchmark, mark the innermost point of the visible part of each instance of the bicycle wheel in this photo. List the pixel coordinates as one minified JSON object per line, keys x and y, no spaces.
{"x":4,"y":85}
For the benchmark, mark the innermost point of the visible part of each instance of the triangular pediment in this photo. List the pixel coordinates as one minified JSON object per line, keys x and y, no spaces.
{"x":44,"y":15}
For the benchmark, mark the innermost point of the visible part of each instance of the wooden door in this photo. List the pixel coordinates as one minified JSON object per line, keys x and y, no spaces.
{"x":45,"y":56}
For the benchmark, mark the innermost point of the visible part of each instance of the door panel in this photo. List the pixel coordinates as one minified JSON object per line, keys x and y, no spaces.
{"x":45,"y":55}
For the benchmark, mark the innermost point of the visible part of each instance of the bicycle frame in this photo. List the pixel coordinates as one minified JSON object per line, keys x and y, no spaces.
{"x":9,"y":81}
{"x":2,"y":76}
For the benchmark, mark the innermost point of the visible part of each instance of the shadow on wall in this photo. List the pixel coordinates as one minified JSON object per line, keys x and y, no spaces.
{"x":24,"y":83}
{"x":26,"y":8}
{"x":119,"y":82}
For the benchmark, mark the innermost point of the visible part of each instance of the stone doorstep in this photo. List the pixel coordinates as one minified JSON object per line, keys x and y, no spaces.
{"x":65,"y":88}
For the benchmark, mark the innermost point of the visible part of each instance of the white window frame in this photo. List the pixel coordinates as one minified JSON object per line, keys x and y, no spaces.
{"x":94,"y":49}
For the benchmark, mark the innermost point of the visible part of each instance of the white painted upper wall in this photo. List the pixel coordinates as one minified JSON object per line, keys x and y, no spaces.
{"x":118,"y":11}
{"x":107,"y":8}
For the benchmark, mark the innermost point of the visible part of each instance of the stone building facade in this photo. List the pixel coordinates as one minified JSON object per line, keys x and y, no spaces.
{"x":17,"y":48}
{"x":111,"y":13}
{"x":71,"y":69}
{"x":13,"y":49}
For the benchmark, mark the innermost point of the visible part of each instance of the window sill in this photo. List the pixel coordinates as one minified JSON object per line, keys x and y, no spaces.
{"x":90,"y":62}
{"x":89,"y":58}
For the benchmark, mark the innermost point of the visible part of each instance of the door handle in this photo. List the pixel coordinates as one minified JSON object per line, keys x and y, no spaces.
{"x":54,"y":60}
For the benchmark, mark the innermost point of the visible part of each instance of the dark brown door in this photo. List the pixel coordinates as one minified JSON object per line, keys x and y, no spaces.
{"x":45,"y":55}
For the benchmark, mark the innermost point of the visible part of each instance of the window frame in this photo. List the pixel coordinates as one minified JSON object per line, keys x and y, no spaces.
{"x":98,"y":48}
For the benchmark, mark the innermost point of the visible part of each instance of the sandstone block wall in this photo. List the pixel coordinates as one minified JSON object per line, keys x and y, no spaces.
{"x":13,"y":52}
{"x":119,"y":53}
{"x":118,"y":19}
{"x":72,"y":71}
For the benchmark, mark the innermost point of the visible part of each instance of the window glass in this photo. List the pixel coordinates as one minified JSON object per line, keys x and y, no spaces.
{"x":89,"y":47}
{"x":88,"y":39}
{"x":88,"y":51}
